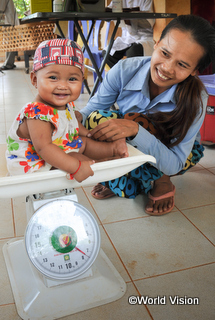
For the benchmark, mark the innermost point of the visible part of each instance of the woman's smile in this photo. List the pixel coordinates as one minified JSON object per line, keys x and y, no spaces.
{"x":161,"y":75}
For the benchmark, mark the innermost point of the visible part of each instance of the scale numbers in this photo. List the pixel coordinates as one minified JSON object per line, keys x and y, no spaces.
{"x":62,"y":239}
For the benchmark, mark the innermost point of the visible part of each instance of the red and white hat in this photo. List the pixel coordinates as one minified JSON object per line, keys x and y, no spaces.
{"x":58,"y":51}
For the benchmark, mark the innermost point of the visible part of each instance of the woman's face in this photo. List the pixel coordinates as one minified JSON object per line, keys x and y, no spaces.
{"x":175,"y":57}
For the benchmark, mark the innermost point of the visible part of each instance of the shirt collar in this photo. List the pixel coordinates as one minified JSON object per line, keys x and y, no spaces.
{"x":141,"y":82}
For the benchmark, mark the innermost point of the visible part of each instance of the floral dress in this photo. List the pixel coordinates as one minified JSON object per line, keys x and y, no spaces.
{"x":21,"y":156}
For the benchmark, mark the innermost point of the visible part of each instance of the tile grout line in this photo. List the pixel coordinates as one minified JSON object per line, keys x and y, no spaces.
{"x":197,"y":227}
{"x":13,"y":217}
{"x":190,"y":208}
{"x":176,"y":271}
{"x":132,"y":281}
{"x":110,"y":240}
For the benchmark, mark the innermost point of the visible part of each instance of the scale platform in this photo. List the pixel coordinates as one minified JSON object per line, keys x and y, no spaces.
{"x":36,"y":301}
{"x":38,"y":296}
{"x":54,"y":180}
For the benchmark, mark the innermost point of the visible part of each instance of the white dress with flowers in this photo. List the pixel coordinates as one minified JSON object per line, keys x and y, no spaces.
{"x":21,"y":156}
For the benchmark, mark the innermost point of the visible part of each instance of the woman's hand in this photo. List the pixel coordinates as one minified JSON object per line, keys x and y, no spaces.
{"x":114,"y":129}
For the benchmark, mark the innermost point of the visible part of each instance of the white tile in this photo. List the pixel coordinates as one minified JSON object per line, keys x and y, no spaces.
{"x":112,"y":255}
{"x":196,"y":283}
{"x":6,"y":225}
{"x":204,"y":219}
{"x":157,"y":245}
{"x":20,"y":220}
{"x":194,"y":189}
{"x":8,"y":312}
{"x":6,"y":295}
{"x":2,"y":138}
{"x":118,"y":209}
{"x":212,"y":170}
{"x":3,"y":167}
{"x":209,"y":157}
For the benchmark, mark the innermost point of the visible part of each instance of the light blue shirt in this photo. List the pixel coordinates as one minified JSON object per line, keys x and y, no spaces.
{"x":127,"y":85}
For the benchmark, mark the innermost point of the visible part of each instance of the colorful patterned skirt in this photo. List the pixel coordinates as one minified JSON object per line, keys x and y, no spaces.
{"x":140,"y":179}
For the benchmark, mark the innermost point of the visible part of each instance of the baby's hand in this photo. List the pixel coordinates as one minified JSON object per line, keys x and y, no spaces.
{"x":85,"y":171}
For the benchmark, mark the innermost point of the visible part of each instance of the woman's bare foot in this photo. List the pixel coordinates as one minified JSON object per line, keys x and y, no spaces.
{"x":161,"y":198}
{"x":101,"y":192}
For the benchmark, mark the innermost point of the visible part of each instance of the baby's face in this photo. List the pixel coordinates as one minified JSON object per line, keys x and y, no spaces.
{"x":58,"y":84}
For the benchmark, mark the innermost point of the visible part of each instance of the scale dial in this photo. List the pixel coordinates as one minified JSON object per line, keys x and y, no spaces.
{"x":62,"y":239}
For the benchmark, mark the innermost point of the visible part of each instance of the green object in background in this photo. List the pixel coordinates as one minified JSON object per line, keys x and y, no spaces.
{"x":21,"y":7}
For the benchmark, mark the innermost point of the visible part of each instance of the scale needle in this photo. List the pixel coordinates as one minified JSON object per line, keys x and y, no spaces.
{"x":82,"y":252}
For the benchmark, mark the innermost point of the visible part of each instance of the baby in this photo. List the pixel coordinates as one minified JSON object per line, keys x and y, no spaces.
{"x":46,"y":133}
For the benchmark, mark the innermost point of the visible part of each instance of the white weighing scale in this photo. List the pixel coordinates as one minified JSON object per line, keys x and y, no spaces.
{"x":58,"y":268}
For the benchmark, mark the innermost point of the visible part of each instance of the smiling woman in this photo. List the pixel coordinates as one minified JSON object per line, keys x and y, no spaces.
{"x":162,"y":104}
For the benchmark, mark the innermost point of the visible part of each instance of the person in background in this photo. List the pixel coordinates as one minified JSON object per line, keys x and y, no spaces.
{"x":137,"y":35}
{"x":162,"y":105}
{"x":7,"y":7}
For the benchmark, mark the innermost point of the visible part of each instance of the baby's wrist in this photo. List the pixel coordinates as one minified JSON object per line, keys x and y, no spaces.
{"x":71,"y":175}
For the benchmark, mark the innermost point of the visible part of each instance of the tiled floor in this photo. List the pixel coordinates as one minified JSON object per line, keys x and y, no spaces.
{"x":169,"y":257}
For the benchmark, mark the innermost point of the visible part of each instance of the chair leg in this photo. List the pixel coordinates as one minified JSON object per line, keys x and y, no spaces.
{"x":86,"y":86}
{"x":26,"y":57}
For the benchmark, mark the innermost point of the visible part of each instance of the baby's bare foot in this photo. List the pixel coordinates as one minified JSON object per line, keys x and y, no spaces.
{"x":120,"y":148}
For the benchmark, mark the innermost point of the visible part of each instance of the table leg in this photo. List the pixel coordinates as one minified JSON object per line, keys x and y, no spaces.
{"x":87,"y":47}
{"x":60,"y":30}
{"x":106,"y":55}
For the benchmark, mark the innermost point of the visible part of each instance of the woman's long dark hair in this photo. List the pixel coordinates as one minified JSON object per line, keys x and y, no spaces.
{"x":175,"y":124}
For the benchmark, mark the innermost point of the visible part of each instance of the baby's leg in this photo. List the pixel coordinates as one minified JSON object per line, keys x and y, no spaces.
{"x":98,"y":150}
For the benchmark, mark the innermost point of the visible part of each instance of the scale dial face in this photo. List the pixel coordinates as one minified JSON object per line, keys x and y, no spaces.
{"x":62,"y":239}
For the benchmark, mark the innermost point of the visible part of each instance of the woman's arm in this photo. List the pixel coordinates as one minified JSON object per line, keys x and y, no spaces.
{"x":106,"y":94}
{"x":169,"y":161}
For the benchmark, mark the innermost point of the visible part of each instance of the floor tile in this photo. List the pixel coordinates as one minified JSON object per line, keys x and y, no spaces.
{"x":212,"y":170}
{"x":6,"y":225}
{"x":204,"y":219}
{"x":157,"y":245}
{"x":2,"y":138}
{"x":118,"y":209}
{"x":3,"y":168}
{"x":208,"y":160}
{"x":195,"y":283}
{"x":6,"y":295}
{"x":194,"y":189}
{"x":8,"y":312}
{"x":20,"y":220}
{"x":110,"y":252}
